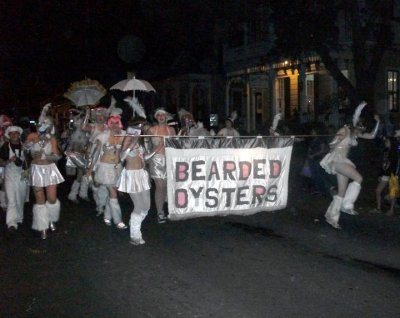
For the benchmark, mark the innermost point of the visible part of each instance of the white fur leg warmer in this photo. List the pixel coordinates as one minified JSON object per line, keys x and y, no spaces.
{"x":40,"y":220}
{"x":53,"y":210}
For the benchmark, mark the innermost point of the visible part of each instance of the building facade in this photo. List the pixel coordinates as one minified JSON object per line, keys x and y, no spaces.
{"x":301,"y":87}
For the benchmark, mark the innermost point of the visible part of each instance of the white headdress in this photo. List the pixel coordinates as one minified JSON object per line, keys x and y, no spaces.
{"x":11,"y":129}
{"x":137,"y":108}
{"x":357,"y":113}
{"x":185,"y":117}
{"x":276,"y":120}
{"x":160,"y":110}
{"x":233,"y":116}
{"x":46,"y":124}
{"x":112,"y":105}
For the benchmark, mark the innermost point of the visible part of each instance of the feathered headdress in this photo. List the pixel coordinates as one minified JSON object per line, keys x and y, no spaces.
{"x":137,"y":108}
{"x":46,"y":124}
{"x":183,"y":115}
{"x":276,"y":120}
{"x":233,"y":116}
{"x":43,"y":114}
{"x":112,"y":105}
{"x":357,"y":113}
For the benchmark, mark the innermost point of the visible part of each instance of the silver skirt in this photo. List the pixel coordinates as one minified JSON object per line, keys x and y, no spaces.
{"x":107,"y":173}
{"x":45,"y":175}
{"x":157,"y":167}
{"x":133,"y":181}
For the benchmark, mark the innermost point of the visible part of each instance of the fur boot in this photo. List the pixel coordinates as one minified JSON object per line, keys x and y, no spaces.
{"x":40,"y":220}
{"x":333,"y":213}
{"x":352,"y":192}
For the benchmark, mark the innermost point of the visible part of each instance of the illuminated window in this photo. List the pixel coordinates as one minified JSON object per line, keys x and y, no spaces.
{"x":393,"y":90}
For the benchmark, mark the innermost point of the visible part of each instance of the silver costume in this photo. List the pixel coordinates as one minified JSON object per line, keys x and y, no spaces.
{"x":107,"y":173}
{"x":136,"y":182}
{"x":133,"y":181}
{"x":44,"y":175}
{"x":338,"y":154}
{"x":157,"y":167}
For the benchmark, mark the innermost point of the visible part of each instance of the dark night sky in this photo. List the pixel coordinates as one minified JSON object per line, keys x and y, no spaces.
{"x":45,"y":45}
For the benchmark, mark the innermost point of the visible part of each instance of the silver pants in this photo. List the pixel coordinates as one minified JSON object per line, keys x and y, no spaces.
{"x":16,"y":190}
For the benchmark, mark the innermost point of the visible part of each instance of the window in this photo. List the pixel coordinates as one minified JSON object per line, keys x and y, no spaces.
{"x":393,"y":90}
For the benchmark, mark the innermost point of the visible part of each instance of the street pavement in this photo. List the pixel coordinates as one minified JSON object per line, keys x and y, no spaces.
{"x":289,"y":263}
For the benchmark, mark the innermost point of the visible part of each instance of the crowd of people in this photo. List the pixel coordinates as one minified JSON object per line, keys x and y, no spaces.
{"x":101,"y":157}
{"x":104,"y":158}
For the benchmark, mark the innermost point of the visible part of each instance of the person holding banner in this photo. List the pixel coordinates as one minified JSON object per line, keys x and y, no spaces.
{"x":157,"y":163}
{"x":105,"y":162}
{"x":229,"y":130}
{"x":134,"y":179}
{"x":336,"y":162}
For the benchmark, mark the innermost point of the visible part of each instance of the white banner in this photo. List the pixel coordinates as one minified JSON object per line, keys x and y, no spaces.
{"x":208,"y":182}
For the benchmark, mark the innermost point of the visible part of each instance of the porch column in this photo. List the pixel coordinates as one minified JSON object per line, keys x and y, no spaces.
{"x":302,"y":89}
{"x":250,"y":114}
{"x":271,"y":83}
{"x":227,"y":97}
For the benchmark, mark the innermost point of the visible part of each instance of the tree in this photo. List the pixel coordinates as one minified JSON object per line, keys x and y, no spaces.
{"x":313,"y":26}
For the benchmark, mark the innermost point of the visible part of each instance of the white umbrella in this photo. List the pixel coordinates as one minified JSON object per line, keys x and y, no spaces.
{"x":86,"y":92}
{"x":134,"y":84}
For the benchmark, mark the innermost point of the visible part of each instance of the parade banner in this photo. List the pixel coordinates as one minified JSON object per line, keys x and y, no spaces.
{"x":210,"y":177}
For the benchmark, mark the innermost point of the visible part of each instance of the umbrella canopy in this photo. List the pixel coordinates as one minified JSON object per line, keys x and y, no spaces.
{"x":86,"y":92}
{"x":134,"y":84}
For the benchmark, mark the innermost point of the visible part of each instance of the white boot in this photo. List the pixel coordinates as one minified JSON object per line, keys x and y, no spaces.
{"x":54,"y":213}
{"x":3,"y":202}
{"x":352,"y":192}
{"x":333,"y":213}
{"x":135,"y":227}
{"x":40,"y":220}
{"x":115,"y":210}
{"x":84,"y":189}
{"x":100,"y":195}
{"x":73,"y":193}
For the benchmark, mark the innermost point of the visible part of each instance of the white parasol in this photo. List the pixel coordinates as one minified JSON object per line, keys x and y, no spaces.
{"x":86,"y":92}
{"x":134,"y":84}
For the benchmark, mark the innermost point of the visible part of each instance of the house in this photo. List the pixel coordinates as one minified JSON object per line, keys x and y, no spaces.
{"x":259,"y":88}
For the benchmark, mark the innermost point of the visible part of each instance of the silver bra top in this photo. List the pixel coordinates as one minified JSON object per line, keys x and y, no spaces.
{"x":107,"y":147}
{"x":42,"y":145}
{"x":137,"y":151}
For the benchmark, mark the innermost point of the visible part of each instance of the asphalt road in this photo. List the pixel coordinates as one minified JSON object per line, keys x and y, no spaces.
{"x":284,"y":264}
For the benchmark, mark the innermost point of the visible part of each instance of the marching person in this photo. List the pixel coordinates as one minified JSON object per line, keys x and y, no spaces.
{"x":135,"y":180}
{"x":105,"y":163}
{"x":13,"y":158}
{"x":229,"y":130}
{"x":100,"y":193}
{"x":336,"y":162}
{"x":157,"y":163}
{"x":5,"y":121}
{"x":76,"y":156}
{"x":44,"y":174}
